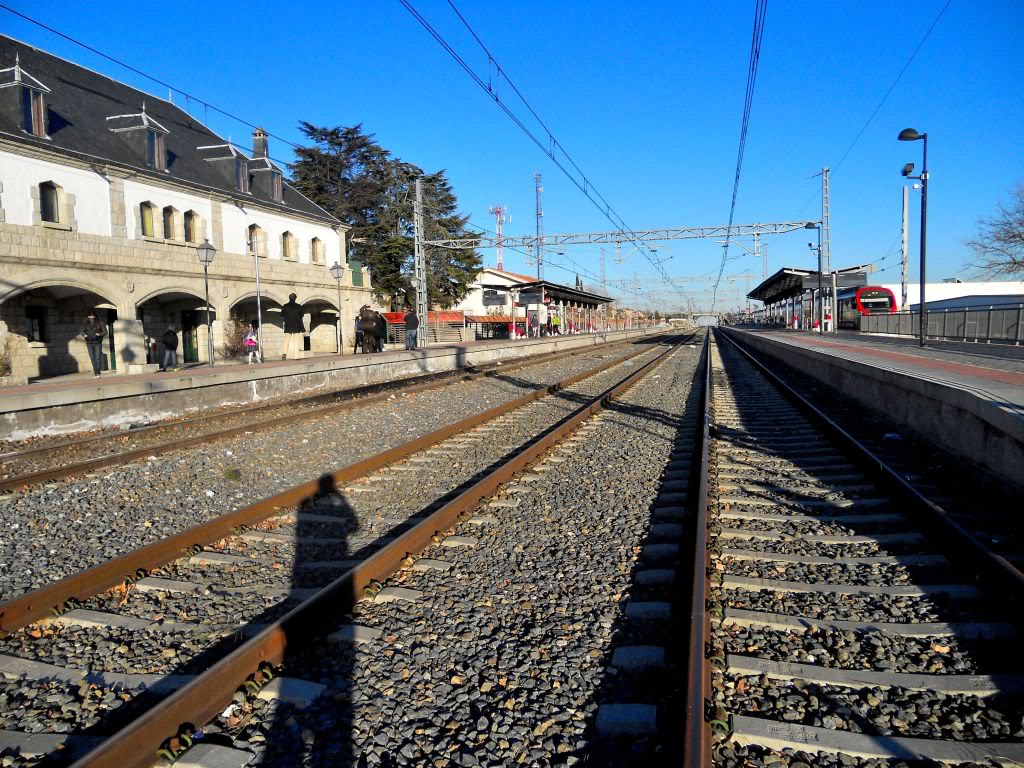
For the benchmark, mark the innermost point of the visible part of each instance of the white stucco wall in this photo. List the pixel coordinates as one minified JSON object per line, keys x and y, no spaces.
{"x":136,"y":192}
{"x":236,"y":222}
{"x":19,"y":175}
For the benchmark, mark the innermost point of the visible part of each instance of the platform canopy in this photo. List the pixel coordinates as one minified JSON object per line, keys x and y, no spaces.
{"x":789,"y":282}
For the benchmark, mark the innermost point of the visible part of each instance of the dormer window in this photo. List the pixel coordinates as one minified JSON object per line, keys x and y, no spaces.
{"x":33,"y":112}
{"x":144,"y":134}
{"x":241,"y":175}
{"x":156,"y":155}
{"x":276,"y":186}
{"x":32,"y":96}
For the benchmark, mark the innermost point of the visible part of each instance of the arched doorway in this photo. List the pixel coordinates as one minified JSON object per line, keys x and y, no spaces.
{"x":185,"y":313}
{"x":321,"y":318}
{"x":41,"y":327}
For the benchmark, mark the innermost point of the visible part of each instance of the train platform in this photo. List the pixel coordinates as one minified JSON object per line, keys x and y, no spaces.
{"x":79,"y":402}
{"x":969,"y":398}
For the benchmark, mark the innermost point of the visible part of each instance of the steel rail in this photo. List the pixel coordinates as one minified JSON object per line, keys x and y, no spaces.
{"x":136,"y":745}
{"x":696,"y":731}
{"x":352,"y":400}
{"x":983,"y":561}
{"x":39,"y":603}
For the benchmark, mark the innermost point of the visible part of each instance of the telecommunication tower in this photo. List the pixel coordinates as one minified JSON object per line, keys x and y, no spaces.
{"x":500,"y":213}
{"x":538,"y":251}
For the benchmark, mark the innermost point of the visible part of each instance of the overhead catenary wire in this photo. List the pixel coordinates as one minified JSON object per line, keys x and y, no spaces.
{"x":549,"y":145}
{"x":885,"y":97}
{"x":760,"y":11}
{"x":188,"y":96}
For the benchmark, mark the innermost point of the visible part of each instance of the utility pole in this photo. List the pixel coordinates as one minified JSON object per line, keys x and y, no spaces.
{"x":903,"y":261}
{"x":538,"y":249}
{"x":825,"y":243}
{"x":499,"y":212}
{"x":763,"y":255}
{"x":420,"y":264}
{"x":604,"y":284}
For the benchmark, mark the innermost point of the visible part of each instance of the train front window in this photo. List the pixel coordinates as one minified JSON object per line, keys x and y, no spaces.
{"x":876,"y":300}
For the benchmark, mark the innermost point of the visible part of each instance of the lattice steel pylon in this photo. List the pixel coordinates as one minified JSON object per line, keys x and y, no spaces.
{"x":539,"y":247}
{"x":826,"y":223}
{"x":500,"y":213}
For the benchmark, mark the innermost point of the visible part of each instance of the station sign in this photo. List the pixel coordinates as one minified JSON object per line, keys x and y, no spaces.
{"x":531,"y":297}
{"x":494,"y":298}
{"x":843,"y":280}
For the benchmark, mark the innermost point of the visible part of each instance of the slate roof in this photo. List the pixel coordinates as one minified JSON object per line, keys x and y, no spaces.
{"x":78,"y":105}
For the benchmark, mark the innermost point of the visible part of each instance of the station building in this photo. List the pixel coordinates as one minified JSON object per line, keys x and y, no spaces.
{"x":498,"y":299}
{"x":105,"y":194}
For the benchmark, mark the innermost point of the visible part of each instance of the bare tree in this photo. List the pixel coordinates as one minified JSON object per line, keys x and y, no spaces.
{"x":999,"y":245}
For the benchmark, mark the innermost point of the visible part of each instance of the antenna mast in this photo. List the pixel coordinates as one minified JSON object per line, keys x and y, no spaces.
{"x":500,"y":218}
{"x":538,"y":252}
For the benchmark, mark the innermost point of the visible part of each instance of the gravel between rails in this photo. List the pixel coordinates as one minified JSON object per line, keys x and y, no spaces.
{"x":870,"y":709}
{"x":60,"y":451}
{"x":191,"y":630}
{"x":54,"y":530}
{"x":501,"y":661}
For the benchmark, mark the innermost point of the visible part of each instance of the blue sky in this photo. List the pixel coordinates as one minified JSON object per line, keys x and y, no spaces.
{"x":647,"y":98}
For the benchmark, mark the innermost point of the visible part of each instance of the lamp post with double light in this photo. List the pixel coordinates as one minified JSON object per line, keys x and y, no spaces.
{"x":909,"y":134}
{"x":338,"y":272}
{"x":206,"y":253}
{"x":819,"y":304}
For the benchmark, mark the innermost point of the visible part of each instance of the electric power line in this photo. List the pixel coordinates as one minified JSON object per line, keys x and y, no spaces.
{"x":760,"y":9}
{"x":554,"y":148}
{"x":885,"y":98}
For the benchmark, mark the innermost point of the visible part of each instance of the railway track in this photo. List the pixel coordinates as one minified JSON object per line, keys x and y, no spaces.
{"x":67,"y":458}
{"x":839,"y":617}
{"x":177,"y":614}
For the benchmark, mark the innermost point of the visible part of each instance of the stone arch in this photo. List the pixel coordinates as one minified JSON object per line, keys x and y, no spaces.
{"x":41,"y":323}
{"x":270,"y":295}
{"x":164,"y":290}
{"x":114,"y":297}
{"x":321,"y":298}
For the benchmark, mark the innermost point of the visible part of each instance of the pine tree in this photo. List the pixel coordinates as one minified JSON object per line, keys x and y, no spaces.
{"x":354,"y":178}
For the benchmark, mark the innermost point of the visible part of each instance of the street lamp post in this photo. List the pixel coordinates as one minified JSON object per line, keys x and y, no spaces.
{"x":206,"y":252}
{"x":818,"y":304}
{"x":337,"y":272}
{"x":909,"y":134}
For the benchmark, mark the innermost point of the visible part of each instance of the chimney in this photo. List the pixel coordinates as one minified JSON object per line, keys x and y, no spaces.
{"x":259,"y":143}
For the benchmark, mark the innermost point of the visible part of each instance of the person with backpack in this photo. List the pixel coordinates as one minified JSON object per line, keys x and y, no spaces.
{"x":94,"y":332}
{"x":368,"y":325}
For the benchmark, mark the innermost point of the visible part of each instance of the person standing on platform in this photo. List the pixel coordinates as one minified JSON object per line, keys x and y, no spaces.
{"x":252,"y":344}
{"x":380,"y":332}
{"x":359,"y":334}
{"x":294,"y":330}
{"x":94,"y":332}
{"x":170,"y":340}
{"x":368,"y":326}
{"x":412,"y":324}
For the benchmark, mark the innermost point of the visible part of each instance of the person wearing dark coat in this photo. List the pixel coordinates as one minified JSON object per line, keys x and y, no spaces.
{"x":94,"y":332}
{"x":170,"y":341}
{"x":294,"y":330}
{"x":368,"y":325}
{"x":381,"y":331}
{"x":412,"y":324}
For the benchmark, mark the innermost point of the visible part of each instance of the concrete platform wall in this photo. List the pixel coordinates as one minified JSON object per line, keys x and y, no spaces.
{"x":963,"y":422}
{"x":143,"y":400}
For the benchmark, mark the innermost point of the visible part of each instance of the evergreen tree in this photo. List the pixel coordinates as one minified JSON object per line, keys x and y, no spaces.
{"x":349,"y":174}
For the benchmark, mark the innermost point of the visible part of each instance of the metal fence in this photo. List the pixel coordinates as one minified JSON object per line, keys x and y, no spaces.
{"x":1001,"y":322}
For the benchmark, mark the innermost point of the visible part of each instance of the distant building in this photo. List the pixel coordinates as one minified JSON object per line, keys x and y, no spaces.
{"x":489,"y":304}
{"x":105,"y":194}
{"x":949,"y":295}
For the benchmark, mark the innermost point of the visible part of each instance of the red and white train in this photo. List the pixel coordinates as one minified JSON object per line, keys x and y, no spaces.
{"x":853,"y":303}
